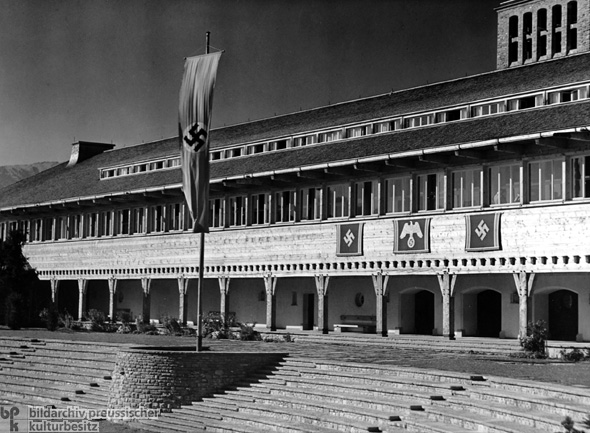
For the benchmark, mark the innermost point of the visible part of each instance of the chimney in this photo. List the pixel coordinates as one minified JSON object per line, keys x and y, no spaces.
{"x":83,"y":150}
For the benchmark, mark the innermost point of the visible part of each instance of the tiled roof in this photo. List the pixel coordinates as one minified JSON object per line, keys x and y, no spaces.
{"x":82,"y":180}
{"x":461,"y":91}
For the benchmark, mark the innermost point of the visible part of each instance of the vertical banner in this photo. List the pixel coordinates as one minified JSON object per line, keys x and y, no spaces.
{"x":349,"y":239}
{"x":194,"y":120}
{"x":411,"y":235}
{"x":482,"y":232}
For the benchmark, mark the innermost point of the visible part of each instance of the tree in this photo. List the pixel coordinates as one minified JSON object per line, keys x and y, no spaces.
{"x":18,"y":282}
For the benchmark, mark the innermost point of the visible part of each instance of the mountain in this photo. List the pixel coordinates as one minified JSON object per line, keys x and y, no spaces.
{"x":13,"y":173}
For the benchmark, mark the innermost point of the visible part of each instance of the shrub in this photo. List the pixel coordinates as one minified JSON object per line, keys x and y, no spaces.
{"x":217,"y":327}
{"x":66,"y":320}
{"x":534,"y":341}
{"x":15,"y":310}
{"x":144,"y":328}
{"x":574,"y":355}
{"x":248,"y":333}
{"x":50,"y":317}
{"x":125,"y":317}
{"x":172,"y":325}
{"x":97,"y":318}
{"x":568,"y":424}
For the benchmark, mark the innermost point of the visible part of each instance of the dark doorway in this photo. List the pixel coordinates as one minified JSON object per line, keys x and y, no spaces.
{"x":563,"y":315}
{"x":308,"y":311}
{"x":489,"y":314}
{"x":424,"y":312}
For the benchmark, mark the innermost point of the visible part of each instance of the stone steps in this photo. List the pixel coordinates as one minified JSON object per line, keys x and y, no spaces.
{"x":474,"y":345}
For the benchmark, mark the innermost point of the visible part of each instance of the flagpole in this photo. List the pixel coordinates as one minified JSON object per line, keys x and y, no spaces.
{"x":201,"y":262}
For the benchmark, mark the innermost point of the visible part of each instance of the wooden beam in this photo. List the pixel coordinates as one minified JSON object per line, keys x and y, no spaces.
{"x":510,"y":148}
{"x":371,"y":167}
{"x":314,"y":175}
{"x":468,"y":154}
{"x":435,"y":159}
{"x":338,"y":171}
{"x":555,"y":142}
{"x":400,"y":163}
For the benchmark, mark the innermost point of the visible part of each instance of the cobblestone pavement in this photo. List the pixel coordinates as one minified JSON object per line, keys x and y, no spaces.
{"x":571,"y":374}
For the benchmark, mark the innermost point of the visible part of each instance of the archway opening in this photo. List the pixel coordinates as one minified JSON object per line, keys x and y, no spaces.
{"x":563,"y":315}
{"x":424,"y":312}
{"x":489,"y":313}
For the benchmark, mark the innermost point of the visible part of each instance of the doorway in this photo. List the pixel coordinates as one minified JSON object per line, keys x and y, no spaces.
{"x":489,"y":313}
{"x":563,"y":315}
{"x":424,"y":312}
{"x":308,"y":311}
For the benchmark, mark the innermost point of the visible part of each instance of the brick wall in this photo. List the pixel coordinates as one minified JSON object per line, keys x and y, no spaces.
{"x":519,"y":9}
{"x":166,"y":378}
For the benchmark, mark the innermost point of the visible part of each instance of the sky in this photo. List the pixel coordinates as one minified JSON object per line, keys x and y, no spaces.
{"x":110,"y":70}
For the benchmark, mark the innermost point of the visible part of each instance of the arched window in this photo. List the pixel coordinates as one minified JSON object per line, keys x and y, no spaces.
{"x":556,"y":29}
{"x":527,"y":36}
{"x":572,"y":25}
{"x":512,"y":39}
{"x":541,"y":33}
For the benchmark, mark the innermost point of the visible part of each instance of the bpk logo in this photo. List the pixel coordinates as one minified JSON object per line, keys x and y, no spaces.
{"x":10,"y":414}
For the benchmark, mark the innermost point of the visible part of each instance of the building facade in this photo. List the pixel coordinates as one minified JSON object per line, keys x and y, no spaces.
{"x":457,"y":209}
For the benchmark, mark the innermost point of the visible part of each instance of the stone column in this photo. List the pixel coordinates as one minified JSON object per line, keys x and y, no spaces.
{"x":321,"y":285}
{"x":524,"y":286}
{"x":380,"y":286}
{"x":146,"y":306}
{"x":182,"y":296}
{"x":112,"y":290}
{"x":224,"y":292}
{"x":447,"y":286}
{"x":270,"y":284}
{"x":82,"y":286}
{"x":54,"y":290}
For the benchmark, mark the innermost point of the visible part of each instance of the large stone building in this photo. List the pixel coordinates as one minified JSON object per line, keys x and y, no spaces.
{"x":457,"y":208}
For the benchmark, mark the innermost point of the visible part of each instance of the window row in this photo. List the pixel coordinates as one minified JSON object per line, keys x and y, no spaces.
{"x":474,"y":187}
{"x":551,"y":31}
{"x":538,"y":99}
{"x":503,"y":105}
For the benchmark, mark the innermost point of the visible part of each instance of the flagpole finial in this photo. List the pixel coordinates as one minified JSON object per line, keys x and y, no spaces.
{"x":207,"y":36}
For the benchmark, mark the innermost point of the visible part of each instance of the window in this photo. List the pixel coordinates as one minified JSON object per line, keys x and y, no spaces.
{"x":92,"y":228}
{"x":449,"y":116}
{"x":416,"y":121}
{"x":285,"y":206}
{"x":105,"y":223}
{"x":174,"y":217}
{"x":542,"y":32}
{"x":580,"y":172}
{"x":467,"y":191}
{"x":156,"y":219}
{"x":568,"y":95}
{"x":278,"y":145}
{"x":123,"y":222}
{"x":75,"y":226}
{"x":398,"y":193}
{"x":367,"y":198}
{"x":556,"y":29}
{"x":338,"y":200}
{"x":233,"y":153}
{"x":260,"y":209}
{"x":431,"y":191}
{"x":525,"y":102}
{"x":512,"y":39}
{"x":358,"y":131}
{"x":216,"y":212}
{"x":138,"y":220}
{"x":527,"y":36}
{"x":216,"y":155}
{"x":505,"y":184}
{"x":255,"y":148}
{"x":545,"y":180}
{"x":237,"y":211}
{"x":311,"y":204}
{"x":325,"y":137}
{"x":572,"y":27}
{"x":390,"y":125}
{"x":487,"y":109}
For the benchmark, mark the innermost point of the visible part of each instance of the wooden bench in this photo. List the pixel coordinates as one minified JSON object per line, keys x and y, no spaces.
{"x":356,"y":323}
